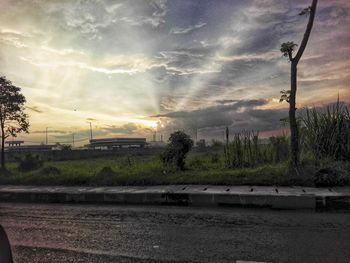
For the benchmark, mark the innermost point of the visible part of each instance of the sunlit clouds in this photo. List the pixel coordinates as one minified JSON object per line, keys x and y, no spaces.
{"x":132,"y":69}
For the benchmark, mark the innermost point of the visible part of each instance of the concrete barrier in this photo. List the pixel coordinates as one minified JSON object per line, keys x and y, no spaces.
{"x":209,"y":196}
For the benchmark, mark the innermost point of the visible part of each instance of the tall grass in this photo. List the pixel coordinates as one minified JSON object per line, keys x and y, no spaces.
{"x":326,"y":133}
{"x":246,"y":150}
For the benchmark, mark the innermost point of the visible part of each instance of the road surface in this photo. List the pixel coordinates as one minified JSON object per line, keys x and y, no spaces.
{"x":88,"y":233}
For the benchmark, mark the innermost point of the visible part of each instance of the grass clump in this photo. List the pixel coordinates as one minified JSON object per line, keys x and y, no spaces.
{"x":333,"y":174}
{"x":326,"y":133}
{"x":103,"y":177}
{"x":246,"y":150}
{"x":30,"y":163}
{"x":50,"y":171}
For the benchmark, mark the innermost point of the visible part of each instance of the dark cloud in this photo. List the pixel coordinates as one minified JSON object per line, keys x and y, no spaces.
{"x":236,"y":113}
{"x":225,"y":101}
{"x":211,"y":122}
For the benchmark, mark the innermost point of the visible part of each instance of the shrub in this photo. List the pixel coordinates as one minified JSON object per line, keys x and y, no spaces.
{"x":50,"y":170}
{"x":175,"y":153}
{"x":327,"y":133}
{"x":243,"y":151}
{"x":335,"y":174}
{"x":29,"y":163}
{"x":197,"y":162}
{"x":103,"y":177}
{"x":280,"y":148}
{"x":106,"y":172}
{"x":5,"y":172}
{"x":215,"y":158}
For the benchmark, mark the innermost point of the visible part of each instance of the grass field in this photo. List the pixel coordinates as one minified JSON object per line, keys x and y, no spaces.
{"x":201,"y":168}
{"x":325,"y":160}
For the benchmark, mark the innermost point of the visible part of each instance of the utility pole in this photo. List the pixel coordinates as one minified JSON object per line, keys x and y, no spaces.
{"x":47,"y":136}
{"x":90,"y":130}
{"x":73,"y":139}
{"x":227,"y":133}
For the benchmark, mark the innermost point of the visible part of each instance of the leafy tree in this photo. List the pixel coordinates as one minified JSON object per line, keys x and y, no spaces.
{"x":288,"y":49}
{"x":13,"y":120}
{"x":175,"y":153}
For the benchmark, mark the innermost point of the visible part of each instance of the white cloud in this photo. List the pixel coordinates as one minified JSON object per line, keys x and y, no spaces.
{"x":185,"y":30}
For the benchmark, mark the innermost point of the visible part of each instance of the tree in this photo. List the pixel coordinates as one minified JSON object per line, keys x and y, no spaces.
{"x":290,"y":95}
{"x":175,"y":153}
{"x":13,"y":120}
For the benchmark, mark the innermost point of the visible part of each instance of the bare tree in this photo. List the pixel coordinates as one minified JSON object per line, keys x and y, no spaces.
{"x":290,"y":95}
{"x":13,"y":120}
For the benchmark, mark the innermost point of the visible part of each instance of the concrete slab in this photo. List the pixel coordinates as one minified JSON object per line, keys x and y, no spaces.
{"x":197,"y":195}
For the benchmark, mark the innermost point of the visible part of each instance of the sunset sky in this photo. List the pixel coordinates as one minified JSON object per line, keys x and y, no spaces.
{"x":131,"y":67}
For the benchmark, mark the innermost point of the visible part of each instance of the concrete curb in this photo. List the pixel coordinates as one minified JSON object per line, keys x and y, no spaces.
{"x":187,"y":195}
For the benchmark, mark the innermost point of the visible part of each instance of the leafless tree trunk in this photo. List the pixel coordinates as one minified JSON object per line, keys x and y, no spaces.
{"x":293,"y":90}
{"x":2,"y":146}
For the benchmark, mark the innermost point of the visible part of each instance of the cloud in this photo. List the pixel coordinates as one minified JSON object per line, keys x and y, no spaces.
{"x":49,"y":131}
{"x":128,"y":128}
{"x":111,"y":65}
{"x":212,"y":116}
{"x":150,"y":13}
{"x":118,"y":60}
{"x":185,"y":30}
{"x":34,"y":109}
{"x":225,"y":101}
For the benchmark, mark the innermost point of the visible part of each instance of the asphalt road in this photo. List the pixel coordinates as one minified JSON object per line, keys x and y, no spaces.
{"x":72,"y":233}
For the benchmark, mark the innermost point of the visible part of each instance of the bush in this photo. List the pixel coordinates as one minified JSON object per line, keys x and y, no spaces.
{"x":326,"y":134}
{"x":197,"y":162}
{"x":280,"y":148}
{"x":106,"y":172}
{"x":336,"y":174}
{"x":175,"y":153}
{"x":50,"y":170}
{"x":103,"y":177}
{"x":29,"y":163}
{"x":215,"y":158}
{"x":243,"y":151}
{"x":5,"y":172}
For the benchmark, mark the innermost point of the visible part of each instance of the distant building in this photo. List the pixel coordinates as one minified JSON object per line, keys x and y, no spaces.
{"x":114,"y":143}
{"x":17,"y":146}
{"x":14,"y":143}
{"x":157,"y":144}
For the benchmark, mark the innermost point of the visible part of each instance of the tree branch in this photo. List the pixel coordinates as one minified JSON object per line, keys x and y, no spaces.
{"x":307,"y":32}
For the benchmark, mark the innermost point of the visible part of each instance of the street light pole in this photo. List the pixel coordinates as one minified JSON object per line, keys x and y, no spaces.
{"x":47,"y":136}
{"x":90,"y":130}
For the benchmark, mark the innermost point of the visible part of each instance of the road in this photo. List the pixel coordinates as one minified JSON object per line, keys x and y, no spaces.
{"x":88,"y":233}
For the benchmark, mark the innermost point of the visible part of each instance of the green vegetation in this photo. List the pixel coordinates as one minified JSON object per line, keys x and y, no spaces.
{"x":175,"y":153}
{"x":245,"y":160}
{"x":13,"y":119}
{"x":326,"y":134}
{"x":245,"y":150}
{"x":201,"y":168}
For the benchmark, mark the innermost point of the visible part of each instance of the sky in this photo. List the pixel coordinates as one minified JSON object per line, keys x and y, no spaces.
{"x":135,"y":67}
